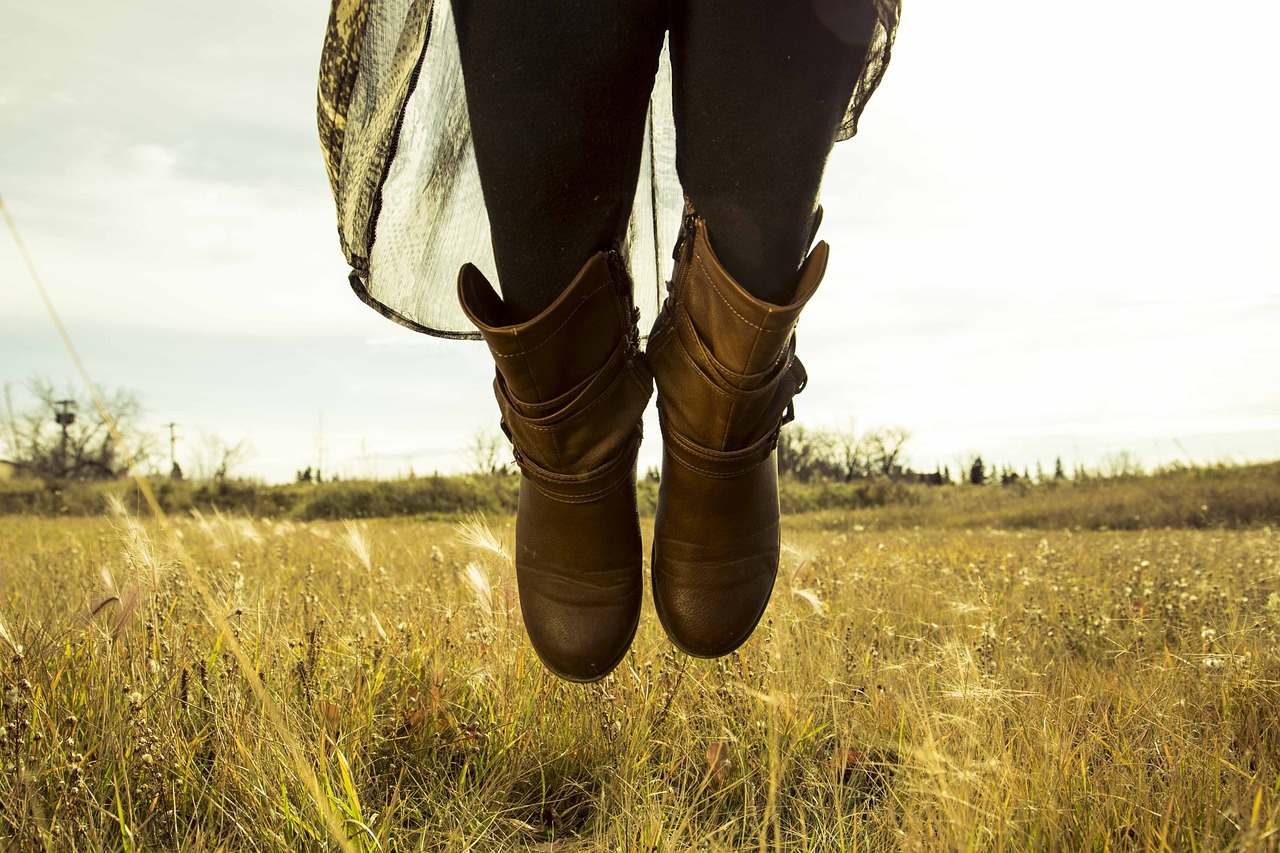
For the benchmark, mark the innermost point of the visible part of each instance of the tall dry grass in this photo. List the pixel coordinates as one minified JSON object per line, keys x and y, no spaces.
{"x":926,"y":689}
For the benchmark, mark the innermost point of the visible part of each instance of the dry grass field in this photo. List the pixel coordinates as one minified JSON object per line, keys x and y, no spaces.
{"x":936,"y":689}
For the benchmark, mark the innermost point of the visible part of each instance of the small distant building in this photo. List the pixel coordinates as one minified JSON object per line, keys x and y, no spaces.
{"x":8,"y":470}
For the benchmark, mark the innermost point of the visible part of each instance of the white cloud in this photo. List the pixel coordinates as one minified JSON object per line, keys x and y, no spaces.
{"x":125,"y":234}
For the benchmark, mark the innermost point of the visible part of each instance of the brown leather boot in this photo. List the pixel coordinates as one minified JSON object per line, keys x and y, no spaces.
{"x":572,"y":387}
{"x":725,"y":366}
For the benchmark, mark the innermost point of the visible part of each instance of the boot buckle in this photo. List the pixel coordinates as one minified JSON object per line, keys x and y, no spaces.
{"x":515,"y":451}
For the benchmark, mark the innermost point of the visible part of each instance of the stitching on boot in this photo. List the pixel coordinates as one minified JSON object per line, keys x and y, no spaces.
{"x":678,"y":446}
{"x":646,"y":387}
{"x":584,"y":499}
{"x":729,"y":475}
{"x":712,"y":282}
{"x":614,"y":472}
{"x":553,"y":332}
{"x":663,"y":339}
{"x":686,"y":323}
{"x":689,"y":359}
{"x":544,"y":410}
{"x":683,"y":444}
{"x":771,"y":387}
{"x":720,"y":475}
{"x":602,"y":395}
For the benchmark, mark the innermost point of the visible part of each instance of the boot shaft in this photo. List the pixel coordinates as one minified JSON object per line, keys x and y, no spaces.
{"x":746,"y":336}
{"x":724,"y":361}
{"x":569,"y":382}
{"x":548,"y":356}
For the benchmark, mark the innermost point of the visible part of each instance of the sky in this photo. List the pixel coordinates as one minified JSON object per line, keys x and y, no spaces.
{"x":1054,"y":235}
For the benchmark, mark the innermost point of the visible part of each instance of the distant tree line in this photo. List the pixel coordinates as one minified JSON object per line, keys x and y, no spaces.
{"x":808,"y":455}
{"x":62,"y":436}
{"x":838,"y":455}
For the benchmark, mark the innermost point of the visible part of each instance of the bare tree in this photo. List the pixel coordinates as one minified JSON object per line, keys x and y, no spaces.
{"x":851,"y":453}
{"x":884,"y":449}
{"x":490,"y":453}
{"x":1121,"y":463}
{"x":807,"y":454}
{"x":63,"y":436}
{"x":213,"y":458}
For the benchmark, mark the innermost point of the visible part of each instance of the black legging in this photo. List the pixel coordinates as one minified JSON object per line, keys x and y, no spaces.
{"x":558,"y":92}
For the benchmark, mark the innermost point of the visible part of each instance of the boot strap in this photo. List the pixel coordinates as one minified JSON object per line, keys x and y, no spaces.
{"x":580,"y":488}
{"x":723,"y":464}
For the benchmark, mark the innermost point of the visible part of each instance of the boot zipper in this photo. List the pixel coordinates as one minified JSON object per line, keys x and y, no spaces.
{"x":515,"y":451}
{"x":619,"y":269}
{"x":683,"y":252}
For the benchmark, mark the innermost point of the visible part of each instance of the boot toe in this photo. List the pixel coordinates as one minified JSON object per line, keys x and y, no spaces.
{"x":578,"y":570}
{"x":580,"y":643}
{"x":710,"y":607}
{"x":715,"y":555}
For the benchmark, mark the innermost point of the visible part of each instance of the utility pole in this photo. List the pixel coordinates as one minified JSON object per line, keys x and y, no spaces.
{"x":175,"y":472}
{"x":64,"y":418}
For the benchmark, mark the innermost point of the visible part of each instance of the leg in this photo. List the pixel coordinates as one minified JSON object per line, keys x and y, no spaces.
{"x":760,"y":88}
{"x":557,"y":92}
